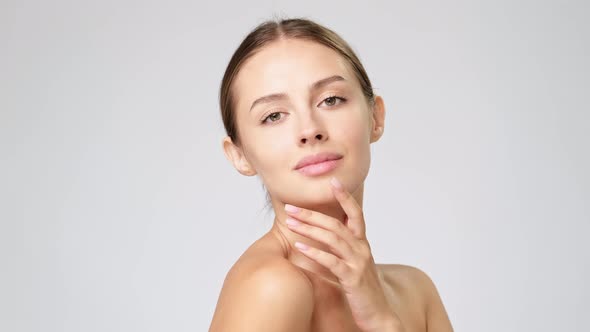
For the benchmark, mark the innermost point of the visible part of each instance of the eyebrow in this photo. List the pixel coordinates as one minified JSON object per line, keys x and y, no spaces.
{"x":282,"y":95}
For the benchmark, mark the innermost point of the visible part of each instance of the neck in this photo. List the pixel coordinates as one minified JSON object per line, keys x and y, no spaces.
{"x":287,"y":238}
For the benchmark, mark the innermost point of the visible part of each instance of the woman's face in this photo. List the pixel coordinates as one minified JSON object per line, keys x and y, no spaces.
{"x":303,"y":120}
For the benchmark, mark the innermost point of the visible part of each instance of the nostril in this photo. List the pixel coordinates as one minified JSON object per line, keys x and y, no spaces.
{"x":318,"y":137}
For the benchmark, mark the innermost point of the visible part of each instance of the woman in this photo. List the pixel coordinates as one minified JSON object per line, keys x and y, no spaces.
{"x":300,"y":113}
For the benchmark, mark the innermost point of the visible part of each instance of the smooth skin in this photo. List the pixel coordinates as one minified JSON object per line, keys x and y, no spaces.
{"x":331,"y":282}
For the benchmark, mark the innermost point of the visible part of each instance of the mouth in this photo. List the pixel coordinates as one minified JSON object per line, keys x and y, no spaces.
{"x":318,"y":164}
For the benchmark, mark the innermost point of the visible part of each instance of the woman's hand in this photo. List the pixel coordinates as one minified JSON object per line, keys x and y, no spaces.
{"x":350,"y":261}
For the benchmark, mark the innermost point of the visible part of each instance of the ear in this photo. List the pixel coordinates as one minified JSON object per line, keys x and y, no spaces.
{"x":236,"y":156}
{"x":377,"y":119}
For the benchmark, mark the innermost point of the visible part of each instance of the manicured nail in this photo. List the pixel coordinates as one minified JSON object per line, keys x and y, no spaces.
{"x":336,"y":183}
{"x":301,"y":246}
{"x":291,"y":208}
{"x":292,"y":222}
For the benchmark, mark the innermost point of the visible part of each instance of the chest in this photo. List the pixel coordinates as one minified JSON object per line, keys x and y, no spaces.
{"x":332,"y":313}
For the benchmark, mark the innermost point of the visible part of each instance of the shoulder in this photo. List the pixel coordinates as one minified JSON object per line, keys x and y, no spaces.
{"x":411,"y":280}
{"x":265,"y":293}
{"x":272,"y":279}
{"x":407,"y":281}
{"x":417,"y":283}
{"x":407,"y":275}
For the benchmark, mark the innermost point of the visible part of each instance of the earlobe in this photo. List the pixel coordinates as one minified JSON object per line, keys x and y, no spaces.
{"x":378,"y":119}
{"x":236,"y":156}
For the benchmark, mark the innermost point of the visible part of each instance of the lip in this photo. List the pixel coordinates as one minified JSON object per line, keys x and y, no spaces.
{"x":319,"y":168}
{"x":317,"y":159}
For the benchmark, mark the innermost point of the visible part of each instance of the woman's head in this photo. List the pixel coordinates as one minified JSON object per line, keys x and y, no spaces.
{"x":294,"y":88}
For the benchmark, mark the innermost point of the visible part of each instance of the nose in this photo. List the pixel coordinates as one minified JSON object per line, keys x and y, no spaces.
{"x":312,"y":132}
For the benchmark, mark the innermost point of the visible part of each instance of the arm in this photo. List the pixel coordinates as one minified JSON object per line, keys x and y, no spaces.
{"x":275,"y":297}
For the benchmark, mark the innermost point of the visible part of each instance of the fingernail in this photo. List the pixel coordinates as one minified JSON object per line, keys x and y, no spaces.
{"x":291,"y":208}
{"x":301,"y":246}
{"x":336,"y":183}
{"x":292,"y":222}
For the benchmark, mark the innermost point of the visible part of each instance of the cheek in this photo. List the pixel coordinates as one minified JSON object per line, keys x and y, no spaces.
{"x":268,"y":153}
{"x":355,"y":133}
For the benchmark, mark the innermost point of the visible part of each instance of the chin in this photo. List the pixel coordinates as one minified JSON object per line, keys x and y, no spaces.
{"x":316,"y":192}
{"x":319,"y":198}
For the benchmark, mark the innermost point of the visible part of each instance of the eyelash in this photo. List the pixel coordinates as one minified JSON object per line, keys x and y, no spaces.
{"x":342,"y":100}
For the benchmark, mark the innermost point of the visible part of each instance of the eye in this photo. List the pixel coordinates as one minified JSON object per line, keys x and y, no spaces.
{"x":276,"y":116}
{"x":331,"y":101}
{"x":272,"y":116}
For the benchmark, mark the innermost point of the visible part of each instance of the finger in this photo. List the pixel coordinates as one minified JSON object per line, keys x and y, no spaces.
{"x":321,"y":220}
{"x":336,"y":244}
{"x":337,"y":266}
{"x":356,"y":222}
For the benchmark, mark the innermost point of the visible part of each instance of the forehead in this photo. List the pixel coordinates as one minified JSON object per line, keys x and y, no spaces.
{"x":288,"y":65}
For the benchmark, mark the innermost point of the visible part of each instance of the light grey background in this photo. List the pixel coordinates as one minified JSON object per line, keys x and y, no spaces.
{"x":119,"y":211}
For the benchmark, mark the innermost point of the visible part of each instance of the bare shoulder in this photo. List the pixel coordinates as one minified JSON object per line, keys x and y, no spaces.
{"x":407,"y":277}
{"x":264,"y":292}
{"x":414,"y":282}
